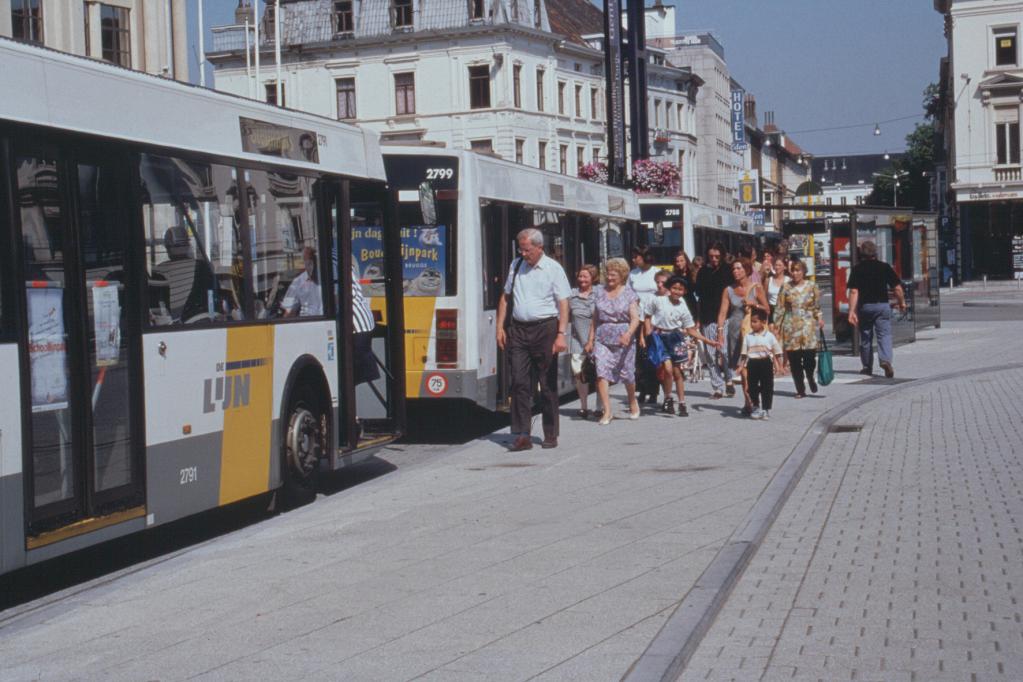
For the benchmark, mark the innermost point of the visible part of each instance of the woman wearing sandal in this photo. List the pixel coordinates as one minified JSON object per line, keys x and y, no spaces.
{"x":580,"y":308}
{"x":611,"y":339}
{"x":737,"y":304}
{"x":798,"y":314}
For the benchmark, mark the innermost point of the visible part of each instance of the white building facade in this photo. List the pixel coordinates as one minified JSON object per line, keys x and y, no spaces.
{"x":139,"y":34}
{"x":521,"y":80}
{"x":981,"y":119}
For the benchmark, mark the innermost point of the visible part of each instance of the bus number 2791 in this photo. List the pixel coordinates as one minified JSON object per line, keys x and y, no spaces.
{"x":189,"y":475}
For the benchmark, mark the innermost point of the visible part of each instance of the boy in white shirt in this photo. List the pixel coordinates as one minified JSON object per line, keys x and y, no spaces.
{"x":647,"y":385}
{"x":669,"y":318}
{"x":760,"y":358}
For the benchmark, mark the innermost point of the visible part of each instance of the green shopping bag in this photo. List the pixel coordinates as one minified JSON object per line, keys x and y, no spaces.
{"x":825,"y":367}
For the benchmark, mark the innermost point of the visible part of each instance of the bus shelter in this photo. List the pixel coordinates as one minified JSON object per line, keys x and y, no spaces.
{"x":906,"y":240}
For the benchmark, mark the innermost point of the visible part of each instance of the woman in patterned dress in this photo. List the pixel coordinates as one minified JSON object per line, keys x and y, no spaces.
{"x":798,"y":314}
{"x":615,"y":320}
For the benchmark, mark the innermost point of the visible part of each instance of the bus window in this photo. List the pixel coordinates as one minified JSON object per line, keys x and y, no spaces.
{"x":428,"y":251}
{"x":283,"y":246}
{"x":193,"y":248}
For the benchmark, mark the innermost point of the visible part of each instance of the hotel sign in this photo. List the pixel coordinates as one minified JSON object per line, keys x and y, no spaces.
{"x":739,"y":120}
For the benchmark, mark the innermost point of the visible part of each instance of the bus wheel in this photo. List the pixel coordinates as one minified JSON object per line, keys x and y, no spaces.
{"x":304,"y":444}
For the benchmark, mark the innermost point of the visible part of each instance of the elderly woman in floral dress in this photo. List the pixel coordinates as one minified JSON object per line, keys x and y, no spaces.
{"x":798,"y":314}
{"x":615,"y":321}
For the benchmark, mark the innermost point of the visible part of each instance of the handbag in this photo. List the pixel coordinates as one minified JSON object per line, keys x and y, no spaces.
{"x":825,"y":367}
{"x":510,"y":298}
{"x":655,"y":352}
{"x":589,"y":370}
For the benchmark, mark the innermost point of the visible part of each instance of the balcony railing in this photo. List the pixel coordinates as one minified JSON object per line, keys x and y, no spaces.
{"x":1008,"y":173}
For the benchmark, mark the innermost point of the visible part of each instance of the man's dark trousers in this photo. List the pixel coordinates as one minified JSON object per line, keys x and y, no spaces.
{"x":532,"y":360}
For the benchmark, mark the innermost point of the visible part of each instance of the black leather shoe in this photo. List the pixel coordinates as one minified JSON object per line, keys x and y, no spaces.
{"x":521,"y":443}
{"x":867,"y":371}
{"x":549,"y":443}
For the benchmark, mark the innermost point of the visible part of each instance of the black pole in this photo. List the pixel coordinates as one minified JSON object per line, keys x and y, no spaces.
{"x":615,"y":95}
{"x":635,"y":54}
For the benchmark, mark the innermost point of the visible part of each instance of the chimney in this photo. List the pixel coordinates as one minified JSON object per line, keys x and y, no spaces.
{"x":244,"y":12}
{"x":751,"y":111}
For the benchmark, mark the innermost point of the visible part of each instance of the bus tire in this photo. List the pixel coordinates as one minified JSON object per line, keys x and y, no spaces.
{"x":306,"y":435}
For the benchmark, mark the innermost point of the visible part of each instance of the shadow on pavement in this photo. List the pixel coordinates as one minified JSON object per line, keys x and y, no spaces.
{"x":136,"y":551}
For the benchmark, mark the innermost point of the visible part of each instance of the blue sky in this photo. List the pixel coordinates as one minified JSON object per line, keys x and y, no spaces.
{"x":815,"y":63}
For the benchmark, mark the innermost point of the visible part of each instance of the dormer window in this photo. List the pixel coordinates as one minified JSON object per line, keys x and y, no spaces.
{"x":401,"y":13}
{"x":1006,"y":47}
{"x":477,"y":10}
{"x":344,"y":17}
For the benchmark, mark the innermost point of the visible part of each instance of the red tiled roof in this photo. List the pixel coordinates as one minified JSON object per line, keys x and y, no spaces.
{"x":575,"y":18}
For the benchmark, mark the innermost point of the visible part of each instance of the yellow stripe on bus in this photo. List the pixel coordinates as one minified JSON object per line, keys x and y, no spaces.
{"x":248,"y":403}
{"x":419,"y":311}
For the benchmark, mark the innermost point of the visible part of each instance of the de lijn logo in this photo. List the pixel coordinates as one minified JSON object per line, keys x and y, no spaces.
{"x":230,"y":390}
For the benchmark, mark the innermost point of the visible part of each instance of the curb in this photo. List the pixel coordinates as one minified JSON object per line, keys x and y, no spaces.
{"x":669,"y":652}
{"x":993,"y":304}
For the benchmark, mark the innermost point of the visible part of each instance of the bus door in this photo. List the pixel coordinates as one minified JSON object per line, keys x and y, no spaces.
{"x":367,"y":277}
{"x":81,"y":331}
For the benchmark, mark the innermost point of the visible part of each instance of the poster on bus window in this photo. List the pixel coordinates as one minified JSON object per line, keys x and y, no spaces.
{"x":106,"y":316}
{"x":47,"y":349}
{"x":422,"y":254}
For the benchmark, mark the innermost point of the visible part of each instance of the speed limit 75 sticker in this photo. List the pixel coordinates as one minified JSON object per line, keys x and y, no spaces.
{"x":436,"y":385}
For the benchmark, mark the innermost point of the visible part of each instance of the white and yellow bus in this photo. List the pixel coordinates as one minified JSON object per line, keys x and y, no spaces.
{"x":176,"y":301}
{"x":459,"y":212}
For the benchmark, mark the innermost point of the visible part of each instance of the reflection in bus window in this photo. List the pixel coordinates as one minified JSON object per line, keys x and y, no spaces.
{"x":193,"y":251}
{"x":282,"y":234}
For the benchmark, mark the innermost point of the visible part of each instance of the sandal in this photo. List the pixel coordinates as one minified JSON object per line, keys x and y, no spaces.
{"x":583,"y":414}
{"x":604,"y":421}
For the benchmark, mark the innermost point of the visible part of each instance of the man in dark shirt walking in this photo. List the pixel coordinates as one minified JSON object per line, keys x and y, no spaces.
{"x":869,"y":309}
{"x":711,"y":282}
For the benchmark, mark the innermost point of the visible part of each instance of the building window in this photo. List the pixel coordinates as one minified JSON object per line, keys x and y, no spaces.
{"x":517,"y":85}
{"x":859,"y":201}
{"x":271,"y":94}
{"x":679,"y":112}
{"x":27,"y":20}
{"x":479,"y":87}
{"x":539,"y":89}
{"x":827,"y":201}
{"x":594,"y":103}
{"x":561,"y":97}
{"x":563,"y":159}
{"x":405,"y":93}
{"x":485,"y":146}
{"x":476,"y":9}
{"x":1005,"y":47}
{"x":1007,"y":135}
{"x":596,"y":155}
{"x":344,"y":17}
{"x":520,"y":150}
{"x":541,"y":155}
{"x":580,"y":159}
{"x":345,"y":99}
{"x":401,"y":13}
{"x":843,"y":201}
{"x":657,"y":113}
{"x":578,"y":100}
{"x":116,"y":35}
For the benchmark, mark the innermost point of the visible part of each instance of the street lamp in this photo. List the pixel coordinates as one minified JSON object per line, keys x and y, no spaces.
{"x":895,"y":177}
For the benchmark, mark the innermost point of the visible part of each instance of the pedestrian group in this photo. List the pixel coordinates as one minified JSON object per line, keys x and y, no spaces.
{"x":742,"y":319}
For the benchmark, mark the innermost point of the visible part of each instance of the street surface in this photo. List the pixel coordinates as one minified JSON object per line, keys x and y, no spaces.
{"x":897,"y":555}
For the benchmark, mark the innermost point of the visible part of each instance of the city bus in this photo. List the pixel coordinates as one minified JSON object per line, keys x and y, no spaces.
{"x":177,"y":306}
{"x":671,"y":224}
{"x":459,"y":212}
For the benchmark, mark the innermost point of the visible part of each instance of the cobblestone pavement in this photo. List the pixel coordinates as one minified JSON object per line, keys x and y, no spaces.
{"x":899,"y":556}
{"x":478,"y":563}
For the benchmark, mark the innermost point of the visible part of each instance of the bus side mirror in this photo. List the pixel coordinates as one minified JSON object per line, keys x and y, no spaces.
{"x":427,"y":203}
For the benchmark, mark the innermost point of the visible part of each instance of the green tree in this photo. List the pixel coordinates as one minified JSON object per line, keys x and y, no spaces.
{"x":917,"y":163}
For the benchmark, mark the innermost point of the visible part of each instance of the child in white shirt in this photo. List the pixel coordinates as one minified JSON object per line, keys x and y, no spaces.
{"x":669,"y":318}
{"x":760,"y":357}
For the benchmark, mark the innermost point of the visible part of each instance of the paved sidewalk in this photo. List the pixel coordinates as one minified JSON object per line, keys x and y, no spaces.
{"x":559,"y":564}
{"x":899,"y":556}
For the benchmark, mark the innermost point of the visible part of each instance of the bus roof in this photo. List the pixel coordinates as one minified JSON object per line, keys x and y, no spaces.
{"x":503,"y":180}
{"x":73,"y":93}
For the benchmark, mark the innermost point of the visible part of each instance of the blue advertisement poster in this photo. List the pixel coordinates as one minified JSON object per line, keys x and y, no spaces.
{"x":423,"y":253}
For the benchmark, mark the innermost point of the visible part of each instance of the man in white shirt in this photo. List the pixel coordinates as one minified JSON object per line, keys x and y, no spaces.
{"x":539,"y":292}
{"x":303,"y":297}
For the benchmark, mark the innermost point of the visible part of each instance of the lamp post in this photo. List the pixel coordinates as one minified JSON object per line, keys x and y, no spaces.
{"x":895,"y":177}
